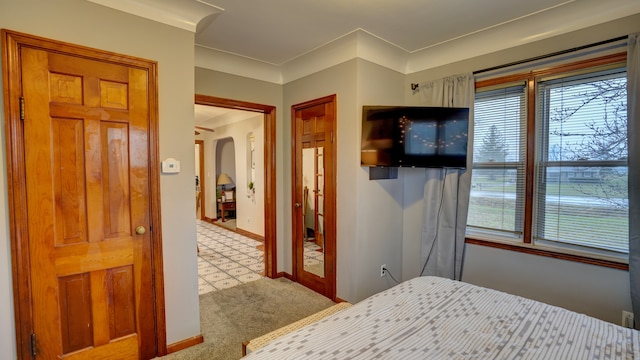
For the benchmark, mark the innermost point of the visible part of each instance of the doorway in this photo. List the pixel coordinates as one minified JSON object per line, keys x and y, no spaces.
{"x":269,"y":113}
{"x":227,"y":183}
{"x":314,"y":195}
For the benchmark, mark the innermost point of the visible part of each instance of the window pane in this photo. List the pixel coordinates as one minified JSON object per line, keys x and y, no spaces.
{"x":582,"y":196}
{"x":498,"y":125}
{"x":492,"y":204}
{"x":497,"y":183}
{"x":586,"y":206}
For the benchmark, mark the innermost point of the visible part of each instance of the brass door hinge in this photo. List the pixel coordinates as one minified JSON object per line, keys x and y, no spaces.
{"x":21,"y":108}
{"x":33,"y":346}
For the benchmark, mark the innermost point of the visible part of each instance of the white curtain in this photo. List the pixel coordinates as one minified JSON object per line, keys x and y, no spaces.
{"x":633,"y":138}
{"x":446,"y":192}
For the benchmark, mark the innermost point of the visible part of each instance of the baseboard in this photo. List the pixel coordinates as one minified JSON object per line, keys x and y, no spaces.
{"x":250,"y":235}
{"x":284,"y":275}
{"x":238,"y":230}
{"x":186,"y":343}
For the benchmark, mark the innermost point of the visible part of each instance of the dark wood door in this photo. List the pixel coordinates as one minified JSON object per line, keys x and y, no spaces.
{"x":87,"y":185}
{"x":314,"y":213}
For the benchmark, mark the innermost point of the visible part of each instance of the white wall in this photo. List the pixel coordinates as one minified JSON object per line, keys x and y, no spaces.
{"x":378,"y":207}
{"x":339,"y":80}
{"x":369,"y":216}
{"x":249,"y":210}
{"x":594,"y":290}
{"x":88,"y":24}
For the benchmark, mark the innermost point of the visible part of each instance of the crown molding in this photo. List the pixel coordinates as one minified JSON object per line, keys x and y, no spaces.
{"x":363,"y":45}
{"x":187,"y":14}
{"x":217,"y":60}
{"x":561,"y":20}
{"x":183,"y":14}
{"x":356,"y":44}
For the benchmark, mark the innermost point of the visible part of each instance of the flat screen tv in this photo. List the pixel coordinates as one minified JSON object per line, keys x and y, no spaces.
{"x":411,"y":136}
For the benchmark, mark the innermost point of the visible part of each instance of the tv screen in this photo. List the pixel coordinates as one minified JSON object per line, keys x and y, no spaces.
{"x":414,"y":136}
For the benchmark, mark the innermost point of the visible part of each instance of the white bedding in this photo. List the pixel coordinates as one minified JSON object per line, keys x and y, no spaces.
{"x":436,"y":318}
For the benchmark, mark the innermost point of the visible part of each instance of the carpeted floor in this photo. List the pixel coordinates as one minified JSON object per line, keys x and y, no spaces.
{"x":230,"y":316}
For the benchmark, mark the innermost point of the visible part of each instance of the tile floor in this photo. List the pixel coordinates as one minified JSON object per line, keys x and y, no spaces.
{"x":312,"y":253}
{"x":226,"y":259}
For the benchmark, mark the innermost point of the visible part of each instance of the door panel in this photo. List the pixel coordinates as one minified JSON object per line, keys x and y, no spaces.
{"x":87,"y":183}
{"x":314,"y":195}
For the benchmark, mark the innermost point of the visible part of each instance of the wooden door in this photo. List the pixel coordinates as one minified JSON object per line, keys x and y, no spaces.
{"x":314,"y":195}
{"x":87,"y":184}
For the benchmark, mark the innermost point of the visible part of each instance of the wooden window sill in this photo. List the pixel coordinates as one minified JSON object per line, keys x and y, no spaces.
{"x":551,"y":254}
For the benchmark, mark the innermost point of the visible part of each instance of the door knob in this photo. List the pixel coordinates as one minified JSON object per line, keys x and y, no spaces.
{"x":297,"y":204}
{"x":140,"y":230}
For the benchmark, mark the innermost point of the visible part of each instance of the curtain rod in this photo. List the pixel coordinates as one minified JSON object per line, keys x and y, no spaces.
{"x":414,"y":86}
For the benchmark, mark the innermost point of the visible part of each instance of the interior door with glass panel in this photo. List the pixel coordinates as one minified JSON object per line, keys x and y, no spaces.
{"x":314,"y":195}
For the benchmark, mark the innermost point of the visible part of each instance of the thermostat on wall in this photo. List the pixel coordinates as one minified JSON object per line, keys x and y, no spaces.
{"x":170,"y":166}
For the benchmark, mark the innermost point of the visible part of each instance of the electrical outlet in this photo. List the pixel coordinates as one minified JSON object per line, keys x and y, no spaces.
{"x":627,"y":319}
{"x":383,"y":270}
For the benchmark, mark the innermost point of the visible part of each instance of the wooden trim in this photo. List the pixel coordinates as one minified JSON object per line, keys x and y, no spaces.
{"x":237,"y":230}
{"x":186,"y":343}
{"x":250,"y":235}
{"x":285,"y":275}
{"x":270,"y":208}
{"x":296,"y":164}
{"x":531,"y":106}
{"x":12,"y":42}
{"x":529,"y":163}
{"x":16,"y":193}
{"x":244,"y":347}
{"x":232,"y":104}
{"x":551,"y":254}
{"x":155,"y":213}
{"x":327,"y":286}
{"x":270,"y":201}
{"x":578,"y":65}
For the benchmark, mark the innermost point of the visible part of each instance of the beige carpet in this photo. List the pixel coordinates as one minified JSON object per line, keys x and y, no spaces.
{"x":229,"y":317}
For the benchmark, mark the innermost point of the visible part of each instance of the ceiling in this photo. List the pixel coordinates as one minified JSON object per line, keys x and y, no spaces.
{"x":276,"y":32}
{"x":211,"y":117}
{"x":279,"y":31}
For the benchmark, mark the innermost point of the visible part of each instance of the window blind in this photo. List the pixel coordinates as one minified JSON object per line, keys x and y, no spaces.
{"x":496,"y":200}
{"x":581,"y":161}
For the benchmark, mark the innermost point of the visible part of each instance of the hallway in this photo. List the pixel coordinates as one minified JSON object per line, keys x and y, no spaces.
{"x":226,"y":259}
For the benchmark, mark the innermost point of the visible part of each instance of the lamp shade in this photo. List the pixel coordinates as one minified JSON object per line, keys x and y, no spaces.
{"x":224,"y":179}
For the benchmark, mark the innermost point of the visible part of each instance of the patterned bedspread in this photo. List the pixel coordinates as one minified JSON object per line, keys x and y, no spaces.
{"x":435,"y":318}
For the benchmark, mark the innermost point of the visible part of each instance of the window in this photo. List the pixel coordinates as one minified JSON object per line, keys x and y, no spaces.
{"x":497,"y":193}
{"x":550,"y":160}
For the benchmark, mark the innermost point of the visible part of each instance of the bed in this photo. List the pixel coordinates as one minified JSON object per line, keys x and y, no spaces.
{"x":436,"y":318}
